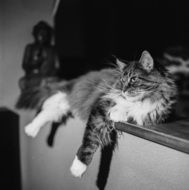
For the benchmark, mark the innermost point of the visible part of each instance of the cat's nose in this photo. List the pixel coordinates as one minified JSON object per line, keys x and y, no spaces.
{"x":125,"y":88}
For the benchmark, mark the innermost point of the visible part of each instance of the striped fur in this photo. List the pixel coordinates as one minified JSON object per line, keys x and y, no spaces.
{"x":140,"y":92}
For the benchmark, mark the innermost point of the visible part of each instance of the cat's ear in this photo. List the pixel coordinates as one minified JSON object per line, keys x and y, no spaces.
{"x":120,"y":64}
{"x":146,"y":61}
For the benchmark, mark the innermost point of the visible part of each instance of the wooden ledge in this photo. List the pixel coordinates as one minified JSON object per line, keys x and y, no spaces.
{"x":173,"y":135}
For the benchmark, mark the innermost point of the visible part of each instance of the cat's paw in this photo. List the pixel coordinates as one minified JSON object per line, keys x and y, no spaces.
{"x":78,"y":168}
{"x":31,"y":130}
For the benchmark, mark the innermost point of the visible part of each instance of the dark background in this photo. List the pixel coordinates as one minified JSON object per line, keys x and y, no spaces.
{"x":89,"y":31}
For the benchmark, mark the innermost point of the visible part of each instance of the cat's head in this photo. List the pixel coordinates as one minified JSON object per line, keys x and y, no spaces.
{"x":142,"y":78}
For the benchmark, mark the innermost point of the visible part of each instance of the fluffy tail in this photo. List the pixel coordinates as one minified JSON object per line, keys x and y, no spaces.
{"x":33,"y":97}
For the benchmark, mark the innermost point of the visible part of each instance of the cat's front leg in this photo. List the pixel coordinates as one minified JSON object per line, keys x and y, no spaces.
{"x":97,"y":133}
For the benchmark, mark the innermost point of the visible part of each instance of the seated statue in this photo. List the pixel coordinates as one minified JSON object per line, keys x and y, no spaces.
{"x":40,"y":59}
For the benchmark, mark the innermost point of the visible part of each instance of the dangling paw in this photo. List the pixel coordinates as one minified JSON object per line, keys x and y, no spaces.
{"x":78,"y":168}
{"x":31,"y":130}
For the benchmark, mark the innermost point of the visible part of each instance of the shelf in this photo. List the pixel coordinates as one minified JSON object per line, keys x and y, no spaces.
{"x":174,"y":135}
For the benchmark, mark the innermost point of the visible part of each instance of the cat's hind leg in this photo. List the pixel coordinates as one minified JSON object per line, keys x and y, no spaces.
{"x":55,"y":126}
{"x":53,"y":109}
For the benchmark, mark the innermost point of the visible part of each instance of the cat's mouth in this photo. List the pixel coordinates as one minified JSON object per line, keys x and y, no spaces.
{"x":132,"y":96}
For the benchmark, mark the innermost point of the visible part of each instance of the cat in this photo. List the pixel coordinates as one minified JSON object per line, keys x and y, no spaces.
{"x":138,"y":92}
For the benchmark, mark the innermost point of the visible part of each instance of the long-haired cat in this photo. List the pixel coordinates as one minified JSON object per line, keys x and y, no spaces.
{"x":139,"y":92}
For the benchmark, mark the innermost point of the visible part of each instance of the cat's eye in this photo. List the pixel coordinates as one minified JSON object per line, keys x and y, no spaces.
{"x":133,"y":79}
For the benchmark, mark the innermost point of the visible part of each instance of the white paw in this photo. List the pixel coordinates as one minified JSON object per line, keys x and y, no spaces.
{"x":78,"y":168}
{"x":31,"y":130}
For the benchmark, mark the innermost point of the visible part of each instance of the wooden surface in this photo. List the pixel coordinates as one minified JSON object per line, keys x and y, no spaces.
{"x":174,"y":135}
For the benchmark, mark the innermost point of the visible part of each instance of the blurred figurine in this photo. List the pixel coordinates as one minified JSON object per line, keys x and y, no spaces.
{"x":40,"y":59}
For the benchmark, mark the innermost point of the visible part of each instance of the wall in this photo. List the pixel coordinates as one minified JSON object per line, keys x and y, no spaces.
{"x":137,"y":164}
{"x":17,"y":18}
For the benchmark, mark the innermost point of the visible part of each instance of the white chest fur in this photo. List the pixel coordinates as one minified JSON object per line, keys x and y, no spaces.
{"x":137,"y":110}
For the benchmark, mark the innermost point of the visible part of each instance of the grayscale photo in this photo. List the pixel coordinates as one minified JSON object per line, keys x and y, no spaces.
{"x":94,"y":95}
